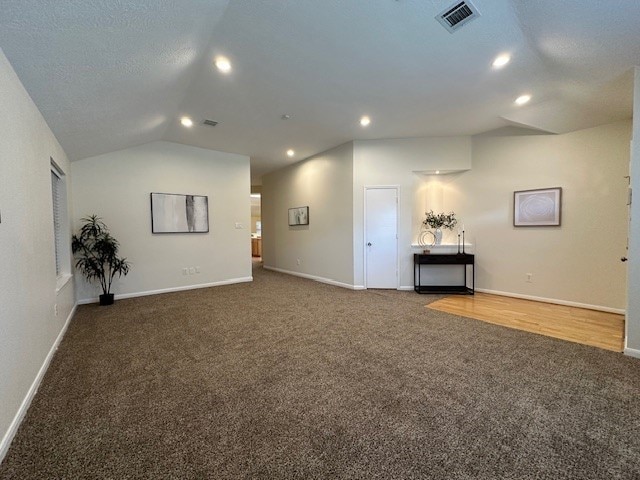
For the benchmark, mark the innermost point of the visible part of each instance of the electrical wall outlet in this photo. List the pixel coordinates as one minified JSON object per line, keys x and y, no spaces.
{"x":239,"y":226}
{"x":55,"y":309}
{"x":529,"y":277}
{"x":192,"y":270}
{"x":197,"y":269}
{"x":185,"y":271}
{"x":297,"y":261}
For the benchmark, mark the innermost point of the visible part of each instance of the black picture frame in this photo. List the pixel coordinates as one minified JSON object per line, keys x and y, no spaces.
{"x":298,"y":216}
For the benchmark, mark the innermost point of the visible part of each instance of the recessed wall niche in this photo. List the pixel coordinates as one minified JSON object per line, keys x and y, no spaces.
{"x":437,"y":192}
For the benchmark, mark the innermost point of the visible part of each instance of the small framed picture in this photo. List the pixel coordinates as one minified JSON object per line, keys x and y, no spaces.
{"x":537,"y":208}
{"x":298,"y":216}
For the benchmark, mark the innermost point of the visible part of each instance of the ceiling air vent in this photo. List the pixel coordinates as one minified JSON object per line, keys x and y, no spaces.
{"x":458,"y":15}
{"x":211,"y":123}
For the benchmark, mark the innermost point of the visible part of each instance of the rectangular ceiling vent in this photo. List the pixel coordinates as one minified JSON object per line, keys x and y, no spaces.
{"x":458,"y":15}
{"x":211,"y":123}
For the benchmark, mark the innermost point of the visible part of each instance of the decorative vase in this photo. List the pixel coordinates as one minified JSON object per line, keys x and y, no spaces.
{"x":106,"y":299}
{"x":438,"y":235}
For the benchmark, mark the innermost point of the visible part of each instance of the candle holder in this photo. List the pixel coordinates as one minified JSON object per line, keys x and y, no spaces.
{"x":458,"y":244}
{"x":463,"y":243}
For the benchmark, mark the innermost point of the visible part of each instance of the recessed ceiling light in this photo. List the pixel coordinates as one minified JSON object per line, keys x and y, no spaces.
{"x":286,"y":116}
{"x":290,"y":153}
{"x":437,"y":172}
{"x":186,"y":122}
{"x":501,"y":60}
{"x":522,"y":99}
{"x":223,"y":64}
{"x":365,"y":121}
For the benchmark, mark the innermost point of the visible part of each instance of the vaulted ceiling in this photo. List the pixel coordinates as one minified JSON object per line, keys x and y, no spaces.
{"x":110,"y":74}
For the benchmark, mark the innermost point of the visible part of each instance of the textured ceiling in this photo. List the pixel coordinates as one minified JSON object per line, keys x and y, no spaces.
{"x":112,"y":74}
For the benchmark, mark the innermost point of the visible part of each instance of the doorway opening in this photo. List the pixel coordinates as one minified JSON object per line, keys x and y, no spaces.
{"x":256,"y":227}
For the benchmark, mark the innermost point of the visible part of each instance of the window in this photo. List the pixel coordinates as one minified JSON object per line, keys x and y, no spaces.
{"x":60,"y":223}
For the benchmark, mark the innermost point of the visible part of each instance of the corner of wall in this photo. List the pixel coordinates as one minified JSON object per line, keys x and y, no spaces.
{"x":322,"y":249}
{"x":632,"y":324}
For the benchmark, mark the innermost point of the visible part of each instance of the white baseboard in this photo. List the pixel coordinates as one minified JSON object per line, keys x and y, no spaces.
{"x":316,"y":278}
{"x":172,"y":289}
{"x":632,"y":352}
{"x":553,"y":300}
{"x":24,"y":406}
{"x":406,"y":288}
{"x":328,"y":280}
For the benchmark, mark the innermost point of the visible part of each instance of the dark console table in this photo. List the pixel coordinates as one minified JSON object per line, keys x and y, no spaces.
{"x":443,"y":259}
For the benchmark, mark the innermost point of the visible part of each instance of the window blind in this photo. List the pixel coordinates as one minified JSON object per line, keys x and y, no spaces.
{"x":56,"y":189}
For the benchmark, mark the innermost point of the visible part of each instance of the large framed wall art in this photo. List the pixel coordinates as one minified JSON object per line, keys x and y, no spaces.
{"x":537,"y":208}
{"x":177,"y":213}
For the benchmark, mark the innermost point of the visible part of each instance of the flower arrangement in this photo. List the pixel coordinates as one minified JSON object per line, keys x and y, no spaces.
{"x":440,"y":220}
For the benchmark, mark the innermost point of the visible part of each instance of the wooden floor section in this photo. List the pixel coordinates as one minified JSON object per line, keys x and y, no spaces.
{"x":589,"y":327}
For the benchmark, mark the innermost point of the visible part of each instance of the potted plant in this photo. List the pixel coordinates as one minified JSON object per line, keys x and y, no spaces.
{"x":440,"y":221}
{"x":96,"y":253}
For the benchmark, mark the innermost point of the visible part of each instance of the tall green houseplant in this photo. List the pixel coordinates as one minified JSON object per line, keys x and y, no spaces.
{"x":96,"y":253}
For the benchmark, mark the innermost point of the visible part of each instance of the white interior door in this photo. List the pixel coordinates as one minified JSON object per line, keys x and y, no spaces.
{"x":381,"y":237}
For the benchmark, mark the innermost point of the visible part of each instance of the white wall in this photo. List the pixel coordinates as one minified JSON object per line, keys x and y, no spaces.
{"x":633,"y":288}
{"x":29,"y":326}
{"x":116,"y":187}
{"x":577,"y":262}
{"x":324,"y":247}
{"x":393,"y":162}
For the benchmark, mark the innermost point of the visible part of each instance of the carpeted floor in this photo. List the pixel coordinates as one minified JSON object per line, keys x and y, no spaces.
{"x":288,"y":378}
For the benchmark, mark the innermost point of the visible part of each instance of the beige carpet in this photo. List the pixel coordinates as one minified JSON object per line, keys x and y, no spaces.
{"x":288,"y":378}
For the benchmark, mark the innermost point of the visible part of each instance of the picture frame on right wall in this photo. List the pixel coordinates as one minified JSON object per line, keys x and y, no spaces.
{"x":298,"y":216}
{"x":540,"y":207}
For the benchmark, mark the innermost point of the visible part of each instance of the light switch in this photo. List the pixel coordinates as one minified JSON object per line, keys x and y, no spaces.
{"x":239,"y":226}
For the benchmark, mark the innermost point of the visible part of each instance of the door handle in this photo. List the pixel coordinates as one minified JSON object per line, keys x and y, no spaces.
{"x":369,"y":244}
{"x":623,"y":259}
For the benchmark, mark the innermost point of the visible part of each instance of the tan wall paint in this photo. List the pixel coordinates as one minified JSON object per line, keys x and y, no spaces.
{"x":577,"y":262}
{"x":393,"y":162}
{"x":324,"y":247}
{"x":116,"y":187}
{"x":28,"y":324}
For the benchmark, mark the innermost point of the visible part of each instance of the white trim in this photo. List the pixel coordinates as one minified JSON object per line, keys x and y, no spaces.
{"x":445,"y":247}
{"x":316,"y":278}
{"x":62,"y":281}
{"x":632,"y":352}
{"x":364,"y":230}
{"x":406,"y":288}
{"x":567,"y":303}
{"x":24,"y":406}
{"x":172,"y":289}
